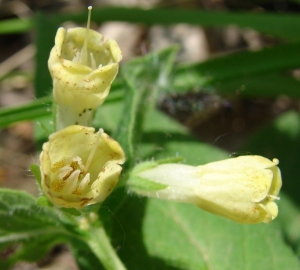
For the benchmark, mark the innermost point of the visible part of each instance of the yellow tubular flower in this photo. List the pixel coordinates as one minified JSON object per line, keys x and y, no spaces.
{"x":80,"y":167}
{"x":83,"y":68}
{"x":242,"y":189}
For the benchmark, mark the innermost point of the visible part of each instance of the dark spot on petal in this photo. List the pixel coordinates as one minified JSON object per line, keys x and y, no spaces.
{"x":84,"y":201}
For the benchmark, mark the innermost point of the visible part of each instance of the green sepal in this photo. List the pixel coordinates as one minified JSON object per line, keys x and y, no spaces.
{"x":140,"y":184}
{"x":43,"y":201}
{"x":151,"y":164}
{"x":35,"y":169}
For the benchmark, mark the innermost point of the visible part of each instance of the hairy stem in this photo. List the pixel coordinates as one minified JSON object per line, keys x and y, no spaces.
{"x":100,"y":244}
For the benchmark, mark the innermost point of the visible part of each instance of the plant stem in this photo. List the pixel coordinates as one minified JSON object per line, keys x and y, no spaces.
{"x":100,"y":244}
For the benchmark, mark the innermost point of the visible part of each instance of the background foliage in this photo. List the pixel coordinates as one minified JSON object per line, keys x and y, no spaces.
{"x":148,"y":233}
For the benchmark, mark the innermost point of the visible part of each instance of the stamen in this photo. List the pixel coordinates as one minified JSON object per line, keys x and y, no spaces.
{"x":84,"y":182}
{"x":76,"y":57}
{"x":65,"y":171}
{"x":71,"y":182}
{"x":274,"y":197}
{"x":89,"y":160}
{"x":84,"y":54}
{"x":93,"y":62}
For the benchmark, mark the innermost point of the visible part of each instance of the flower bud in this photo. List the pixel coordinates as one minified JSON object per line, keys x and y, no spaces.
{"x":80,"y":167}
{"x":83,"y":68}
{"x":242,"y":189}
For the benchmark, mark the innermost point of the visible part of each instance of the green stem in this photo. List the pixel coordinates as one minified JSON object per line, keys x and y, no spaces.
{"x":100,"y":244}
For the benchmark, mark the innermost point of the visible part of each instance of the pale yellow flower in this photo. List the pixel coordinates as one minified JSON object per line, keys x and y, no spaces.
{"x":83,"y":68}
{"x":242,"y":189}
{"x":80,"y":167}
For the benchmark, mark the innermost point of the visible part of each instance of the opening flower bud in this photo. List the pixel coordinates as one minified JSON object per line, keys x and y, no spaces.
{"x":243,"y":189}
{"x":80,"y":167}
{"x":83,"y":68}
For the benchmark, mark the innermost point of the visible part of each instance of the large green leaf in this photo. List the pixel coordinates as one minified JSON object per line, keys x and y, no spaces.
{"x":189,"y":238}
{"x":181,"y":236}
{"x":28,"y":229}
{"x":127,"y":236}
{"x":163,"y":138}
{"x":289,"y":219}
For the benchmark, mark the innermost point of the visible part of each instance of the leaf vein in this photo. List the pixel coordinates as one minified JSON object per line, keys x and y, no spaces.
{"x":191,"y":237}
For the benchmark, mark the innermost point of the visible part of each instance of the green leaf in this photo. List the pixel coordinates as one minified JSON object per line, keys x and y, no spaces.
{"x":137,"y":183}
{"x":124,"y":133}
{"x":238,"y":66}
{"x":29,"y":229}
{"x":108,"y":117}
{"x":164,"y":138}
{"x":43,"y":201}
{"x":44,"y":44}
{"x":280,"y":25}
{"x":35,"y":169}
{"x":261,"y":85}
{"x":42,"y":107}
{"x":281,"y":139}
{"x":143,"y":78}
{"x":25,"y":112}
{"x":35,"y":250}
{"x":190,"y":238}
{"x":14,"y":26}
{"x":128,"y":239}
{"x":289,"y":219}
